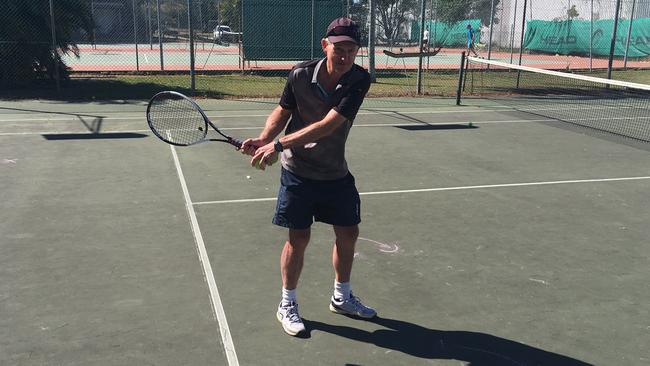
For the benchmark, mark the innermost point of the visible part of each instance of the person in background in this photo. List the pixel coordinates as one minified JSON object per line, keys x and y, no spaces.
{"x":425,"y":40}
{"x":470,"y":41}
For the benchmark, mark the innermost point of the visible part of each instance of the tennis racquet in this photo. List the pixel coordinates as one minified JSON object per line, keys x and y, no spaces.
{"x":178,"y":120}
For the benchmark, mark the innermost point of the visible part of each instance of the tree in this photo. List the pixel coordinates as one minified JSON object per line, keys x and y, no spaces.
{"x":359,"y":13}
{"x":452,"y":11}
{"x":230,"y":14}
{"x":572,"y":12}
{"x":393,"y":14}
{"x":27,"y":36}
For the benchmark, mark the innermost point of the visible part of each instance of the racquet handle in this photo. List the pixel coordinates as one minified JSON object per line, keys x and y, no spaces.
{"x":236,"y":142}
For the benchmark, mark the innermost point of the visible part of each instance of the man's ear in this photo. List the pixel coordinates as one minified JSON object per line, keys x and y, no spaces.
{"x":324,"y":43}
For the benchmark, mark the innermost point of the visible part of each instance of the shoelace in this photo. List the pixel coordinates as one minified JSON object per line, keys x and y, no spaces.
{"x":357,"y":303}
{"x":292,"y":313}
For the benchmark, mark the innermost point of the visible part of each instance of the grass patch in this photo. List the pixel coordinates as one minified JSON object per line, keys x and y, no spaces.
{"x":234,"y":86}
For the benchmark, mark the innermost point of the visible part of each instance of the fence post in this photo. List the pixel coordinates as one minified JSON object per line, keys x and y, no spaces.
{"x":521,"y":42}
{"x":420,"y":46}
{"x":371,"y":42}
{"x":512,"y":33}
{"x":55,"y":53}
{"x":491,"y":27}
{"x":612,"y":45}
{"x":591,"y":36}
{"x":160,"y":37}
{"x":629,"y":34}
{"x":135,"y":38}
{"x":191,"y":30}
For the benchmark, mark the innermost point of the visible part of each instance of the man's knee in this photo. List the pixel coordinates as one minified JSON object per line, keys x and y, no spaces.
{"x":346,"y":234}
{"x":299,"y":238}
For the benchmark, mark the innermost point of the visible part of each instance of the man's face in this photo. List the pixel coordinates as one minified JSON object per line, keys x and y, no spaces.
{"x":341,"y":55}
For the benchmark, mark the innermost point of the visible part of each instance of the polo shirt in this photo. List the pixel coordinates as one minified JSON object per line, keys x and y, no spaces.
{"x":323,"y":159}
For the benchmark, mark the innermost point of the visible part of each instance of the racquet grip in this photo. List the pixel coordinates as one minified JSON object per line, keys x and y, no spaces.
{"x":236,"y":142}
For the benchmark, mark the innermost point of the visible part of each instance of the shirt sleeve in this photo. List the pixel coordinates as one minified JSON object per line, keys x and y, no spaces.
{"x":288,"y":99}
{"x":351,"y":102}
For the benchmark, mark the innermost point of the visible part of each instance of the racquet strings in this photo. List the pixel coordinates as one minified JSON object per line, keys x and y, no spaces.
{"x":177,"y":120}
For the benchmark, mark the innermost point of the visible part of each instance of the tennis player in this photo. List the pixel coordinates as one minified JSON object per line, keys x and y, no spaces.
{"x":318,"y":106}
{"x":470,"y":41}
{"x":425,"y":40}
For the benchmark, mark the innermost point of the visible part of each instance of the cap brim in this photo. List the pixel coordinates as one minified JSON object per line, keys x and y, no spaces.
{"x":337,"y":39}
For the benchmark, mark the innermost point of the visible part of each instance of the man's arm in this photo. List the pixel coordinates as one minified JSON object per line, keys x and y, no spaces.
{"x":314,"y":131}
{"x":275,"y":123}
{"x":305,"y":135}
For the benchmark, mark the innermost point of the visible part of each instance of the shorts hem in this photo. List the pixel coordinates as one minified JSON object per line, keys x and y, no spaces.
{"x":288,"y":225}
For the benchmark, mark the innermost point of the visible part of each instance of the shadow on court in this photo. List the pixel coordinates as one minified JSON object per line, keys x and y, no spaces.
{"x":94,"y":136}
{"x":478,"y":349}
{"x":428,"y":127}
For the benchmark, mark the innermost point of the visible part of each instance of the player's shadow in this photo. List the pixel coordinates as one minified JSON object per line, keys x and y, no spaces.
{"x":477,"y":349}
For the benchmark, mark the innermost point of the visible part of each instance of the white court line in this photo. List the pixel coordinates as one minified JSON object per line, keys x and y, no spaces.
{"x":364,"y":112}
{"x":243,"y":128}
{"x":217,"y":306}
{"x":361,"y":113}
{"x":546,"y":183}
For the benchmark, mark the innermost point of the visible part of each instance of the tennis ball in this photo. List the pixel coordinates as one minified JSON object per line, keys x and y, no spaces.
{"x":273,"y":160}
{"x":269,"y":162}
{"x":258,"y":165}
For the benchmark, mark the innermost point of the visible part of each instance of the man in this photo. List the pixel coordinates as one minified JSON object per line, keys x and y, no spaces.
{"x":470,"y":41}
{"x":425,"y":40}
{"x":319,"y":103}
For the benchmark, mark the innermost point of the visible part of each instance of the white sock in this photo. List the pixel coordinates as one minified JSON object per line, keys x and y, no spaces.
{"x":288,"y":296}
{"x":342,"y":290}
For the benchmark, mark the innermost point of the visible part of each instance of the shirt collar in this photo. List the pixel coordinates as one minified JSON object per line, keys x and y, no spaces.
{"x":314,"y":78}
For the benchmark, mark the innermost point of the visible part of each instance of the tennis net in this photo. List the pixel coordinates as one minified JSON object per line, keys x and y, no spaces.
{"x":612,"y":106}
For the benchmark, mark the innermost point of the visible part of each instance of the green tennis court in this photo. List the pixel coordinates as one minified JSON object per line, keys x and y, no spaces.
{"x":490,"y":236}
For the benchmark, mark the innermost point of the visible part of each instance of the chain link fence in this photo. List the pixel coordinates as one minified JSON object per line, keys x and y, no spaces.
{"x":244,"y":48}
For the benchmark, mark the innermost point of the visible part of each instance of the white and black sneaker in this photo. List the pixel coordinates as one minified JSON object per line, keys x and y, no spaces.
{"x":352,"y":306}
{"x":290,"y":319}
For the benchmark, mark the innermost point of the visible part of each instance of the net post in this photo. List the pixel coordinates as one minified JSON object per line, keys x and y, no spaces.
{"x":461,"y":72}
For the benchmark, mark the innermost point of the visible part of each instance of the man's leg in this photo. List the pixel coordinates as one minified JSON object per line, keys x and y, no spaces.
{"x":293,"y":255}
{"x":343,"y":251}
{"x":343,"y":301}
{"x":291,"y":261}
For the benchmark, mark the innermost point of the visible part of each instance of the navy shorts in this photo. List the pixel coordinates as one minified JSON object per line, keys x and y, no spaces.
{"x":302,"y":200}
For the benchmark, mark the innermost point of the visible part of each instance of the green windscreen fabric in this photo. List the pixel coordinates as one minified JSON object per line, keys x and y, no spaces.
{"x":447,"y":34}
{"x":283,"y":30}
{"x":571,"y":37}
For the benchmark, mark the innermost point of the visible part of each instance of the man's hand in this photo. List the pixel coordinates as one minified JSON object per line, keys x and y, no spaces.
{"x":249,"y":146}
{"x":264,"y":156}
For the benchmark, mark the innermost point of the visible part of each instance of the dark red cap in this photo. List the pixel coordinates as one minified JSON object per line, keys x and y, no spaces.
{"x":343,"y":29}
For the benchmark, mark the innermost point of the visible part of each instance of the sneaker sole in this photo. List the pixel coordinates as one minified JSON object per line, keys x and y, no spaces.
{"x":341,"y":311}
{"x":288,"y":331}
